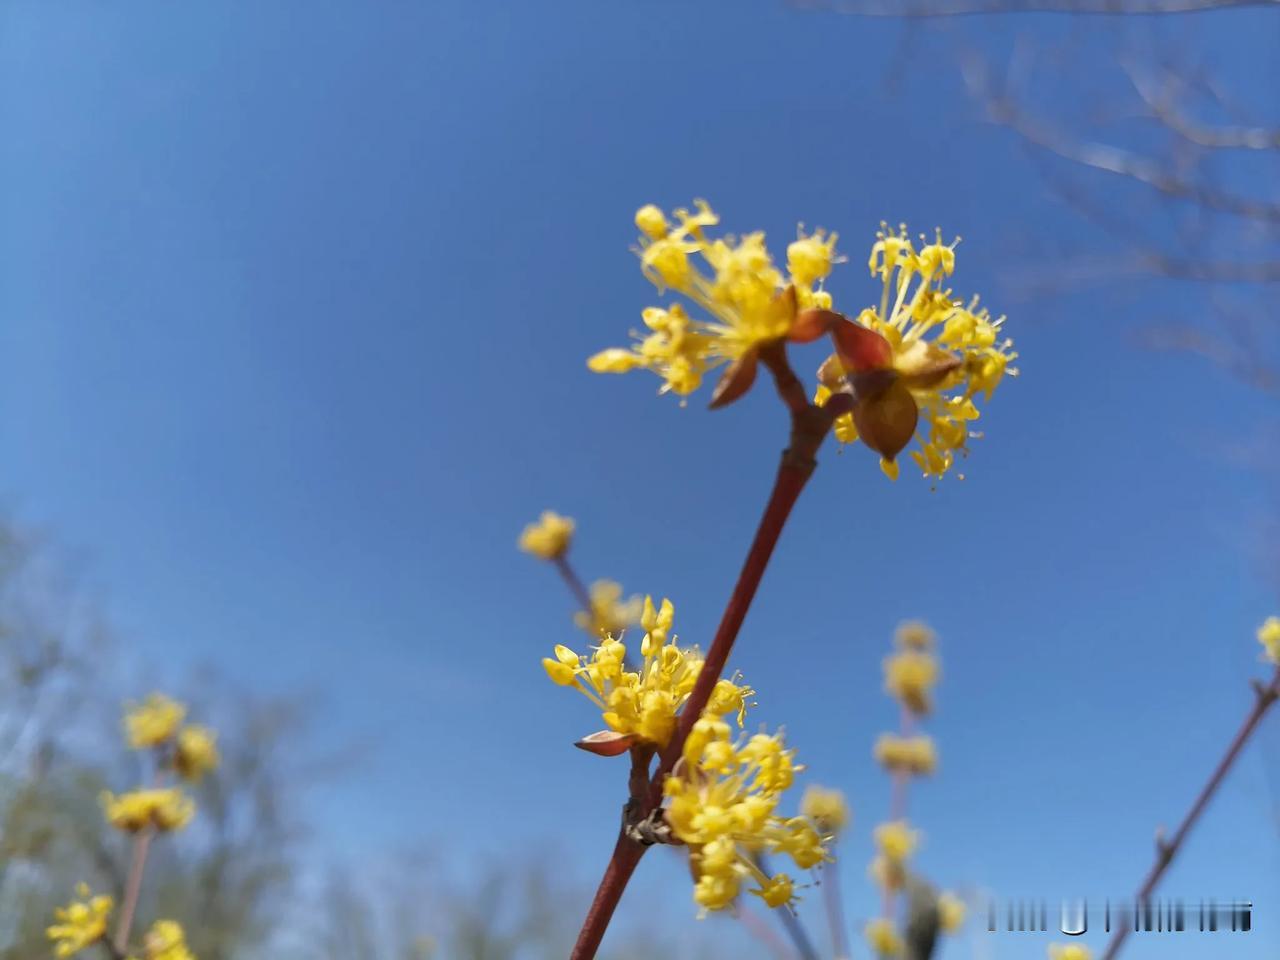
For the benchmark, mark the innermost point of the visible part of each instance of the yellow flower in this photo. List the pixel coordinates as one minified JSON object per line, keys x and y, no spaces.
{"x":651,"y":221}
{"x":883,"y":938}
{"x":951,"y":912}
{"x":166,"y":941}
{"x":1069,"y":951}
{"x":80,"y":924}
{"x":910,"y":676}
{"x":827,"y":808}
{"x":153,"y":722}
{"x":644,"y":703}
{"x":1269,"y":637}
{"x":747,"y":300}
{"x":549,"y":538}
{"x":197,"y":752}
{"x":810,"y":258}
{"x":723,"y":799}
{"x":889,"y":875}
{"x":917,"y":363}
{"x":914,"y":635}
{"x":162,"y":808}
{"x":777,"y":891}
{"x":915,"y":755}
{"x":896,"y":840}
{"x":610,"y":614}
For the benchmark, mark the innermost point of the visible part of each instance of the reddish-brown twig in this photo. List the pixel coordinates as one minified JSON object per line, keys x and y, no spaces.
{"x":574,"y":583}
{"x":835,"y":907}
{"x":809,"y":426}
{"x":132,"y":889}
{"x":1166,"y":850}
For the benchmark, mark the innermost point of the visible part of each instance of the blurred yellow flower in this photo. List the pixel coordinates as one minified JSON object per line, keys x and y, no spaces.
{"x":778,"y":891}
{"x":153,"y":722}
{"x":644,"y":703}
{"x":748,"y":300}
{"x":1269,"y":637}
{"x":915,"y":635}
{"x":166,"y":941}
{"x":951,"y":912}
{"x":910,"y":675}
{"x":921,"y":356}
{"x":896,"y":840}
{"x":162,"y":808}
{"x":80,"y":924}
{"x":1069,"y":951}
{"x":826,"y":808}
{"x":610,"y":614}
{"x":549,"y":538}
{"x":888,"y":875}
{"x":915,"y":755}
{"x":196,"y":753}
{"x":723,"y":798}
{"x":883,"y":938}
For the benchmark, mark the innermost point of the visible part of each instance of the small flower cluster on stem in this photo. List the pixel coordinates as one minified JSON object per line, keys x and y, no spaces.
{"x":925,"y":360}
{"x":179,"y":752}
{"x":911,"y":672}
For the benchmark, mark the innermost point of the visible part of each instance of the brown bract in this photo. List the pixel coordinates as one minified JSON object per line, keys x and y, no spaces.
{"x":606,"y":743}
{"x":885,"y":412}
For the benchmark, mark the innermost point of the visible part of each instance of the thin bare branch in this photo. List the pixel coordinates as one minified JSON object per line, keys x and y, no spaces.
{"x":1003,"y":110}
{"x":1162,"y":100}
{"x":922,"y":9}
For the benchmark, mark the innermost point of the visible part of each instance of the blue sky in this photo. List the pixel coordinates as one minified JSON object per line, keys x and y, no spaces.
{"x":294,"y":305}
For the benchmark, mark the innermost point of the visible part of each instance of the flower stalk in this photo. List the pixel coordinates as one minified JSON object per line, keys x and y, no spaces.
{"x":132,"y":890}
{"x":809,"y":426}
{"x":1166,"y":850}
{"x":573,"y":582}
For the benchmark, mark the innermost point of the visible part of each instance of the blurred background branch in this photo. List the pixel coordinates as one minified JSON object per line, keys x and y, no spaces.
{"x":1175,"y":172}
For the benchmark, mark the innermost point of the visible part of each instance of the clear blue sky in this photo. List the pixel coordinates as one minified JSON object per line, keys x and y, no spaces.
{"x":294,"y":304}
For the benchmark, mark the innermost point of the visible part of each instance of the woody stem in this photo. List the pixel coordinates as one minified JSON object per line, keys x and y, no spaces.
{"x":1167,"y":850}
{"x":133,"y":887}
{"x":809,"y":426}
{"x":574,"y":583}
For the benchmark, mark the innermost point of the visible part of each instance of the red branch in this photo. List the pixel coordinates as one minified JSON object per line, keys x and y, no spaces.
{"x":809,"y":426}
{"x":1166,"y":850}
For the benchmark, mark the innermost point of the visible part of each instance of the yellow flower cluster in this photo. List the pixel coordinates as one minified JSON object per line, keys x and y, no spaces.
{"x":932,"y":356}
{"x":910,"y":755}
{"x":549,"y":538}
{"x":157,"y":723}
{"x":644,"y":703}
{"x":915,"y":635}
{"x":610,"y":614}
{"x":1269,"y":637}
{"x":1069,"y":951}
{"x":748,"y":299}
{"x":951,"y":912}
{"x":195,"y":753}
{"x":79,"y":924}
{"x":163,"y":809}
{"x":723,"y":799}
{"x":153,"y":722}
{"x":910,"y":676}
{"x":826,"y":808}
{"x":883,"y":938}
{"x":166,"y":941}
{"x":895,"y":842}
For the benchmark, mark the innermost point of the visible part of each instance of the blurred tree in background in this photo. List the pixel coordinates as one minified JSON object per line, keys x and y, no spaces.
{"x":61,"y":689}
{"x":245,"y":880}
{"x":1166,"y":149}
